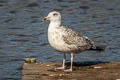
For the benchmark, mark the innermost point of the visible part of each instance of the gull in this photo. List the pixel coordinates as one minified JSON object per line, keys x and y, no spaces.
{"x":66,"y":40}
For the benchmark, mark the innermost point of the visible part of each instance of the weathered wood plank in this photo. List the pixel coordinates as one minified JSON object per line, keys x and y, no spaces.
{"x":45,"y":71}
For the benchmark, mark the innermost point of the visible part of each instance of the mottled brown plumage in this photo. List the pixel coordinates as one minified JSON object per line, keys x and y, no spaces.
{"x":76,"y":42}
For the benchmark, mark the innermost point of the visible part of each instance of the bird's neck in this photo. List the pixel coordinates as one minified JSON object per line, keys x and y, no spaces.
{"x":54,"y":24}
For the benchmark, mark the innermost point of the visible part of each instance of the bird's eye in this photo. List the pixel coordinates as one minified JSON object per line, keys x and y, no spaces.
{"x":55,"y":14}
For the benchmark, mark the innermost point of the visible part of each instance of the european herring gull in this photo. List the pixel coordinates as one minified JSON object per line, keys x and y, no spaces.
{"x":66,"y":40}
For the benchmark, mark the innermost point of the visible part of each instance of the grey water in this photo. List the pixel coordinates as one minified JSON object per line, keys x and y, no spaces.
{"x":24,"y":34}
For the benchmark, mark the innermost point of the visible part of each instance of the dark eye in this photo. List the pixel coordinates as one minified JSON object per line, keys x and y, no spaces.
{"x":55,"y":14}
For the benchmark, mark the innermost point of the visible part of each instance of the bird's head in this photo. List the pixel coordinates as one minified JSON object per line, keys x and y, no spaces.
{"x":53,"y":16}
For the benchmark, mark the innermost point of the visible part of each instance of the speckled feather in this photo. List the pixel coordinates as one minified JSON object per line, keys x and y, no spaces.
{"x":73,"y":38}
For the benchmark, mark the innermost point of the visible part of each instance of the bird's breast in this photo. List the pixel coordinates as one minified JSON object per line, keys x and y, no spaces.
{"x":55,"y":40}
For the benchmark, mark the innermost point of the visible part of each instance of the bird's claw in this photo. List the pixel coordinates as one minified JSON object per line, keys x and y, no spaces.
{"x":60,"y":68}
{"x":68,"y":70}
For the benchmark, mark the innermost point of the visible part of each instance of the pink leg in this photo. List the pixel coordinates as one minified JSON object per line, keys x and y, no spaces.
{"x":70,"y":70}
{"x":63,"y":64}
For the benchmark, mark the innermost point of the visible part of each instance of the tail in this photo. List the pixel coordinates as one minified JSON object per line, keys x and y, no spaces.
{"x":93,"y":46}
{"x":98,"y":48}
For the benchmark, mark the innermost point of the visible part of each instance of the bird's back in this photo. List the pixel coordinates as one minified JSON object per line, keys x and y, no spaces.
{"x":67,"y":40}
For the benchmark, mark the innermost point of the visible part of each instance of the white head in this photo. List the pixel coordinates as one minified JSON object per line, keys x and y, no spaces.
{"x":53,"y":16}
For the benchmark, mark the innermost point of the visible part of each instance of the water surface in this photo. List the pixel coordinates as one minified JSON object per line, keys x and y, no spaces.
{"x":23,"y":34}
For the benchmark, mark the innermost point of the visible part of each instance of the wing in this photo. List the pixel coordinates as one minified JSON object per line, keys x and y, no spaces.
{"x":72,"y":38}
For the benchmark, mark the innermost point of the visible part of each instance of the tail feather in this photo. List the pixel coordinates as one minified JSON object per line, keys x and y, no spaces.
{"x":98,"y":48}
{"x":93,"y":46}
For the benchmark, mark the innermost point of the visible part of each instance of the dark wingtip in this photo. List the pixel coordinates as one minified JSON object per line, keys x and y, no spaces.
{"x":98,"y":48}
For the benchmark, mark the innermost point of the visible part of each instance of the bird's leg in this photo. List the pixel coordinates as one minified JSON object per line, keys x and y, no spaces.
{"x":70,"y":70}
{"x":63,"y":64}
{"x":64,"y":61}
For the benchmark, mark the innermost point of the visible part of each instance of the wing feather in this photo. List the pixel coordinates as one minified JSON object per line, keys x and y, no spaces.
{"x":71,"y":37}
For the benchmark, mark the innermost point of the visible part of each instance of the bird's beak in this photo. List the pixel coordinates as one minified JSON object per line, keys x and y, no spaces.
{"x":46,"y":18}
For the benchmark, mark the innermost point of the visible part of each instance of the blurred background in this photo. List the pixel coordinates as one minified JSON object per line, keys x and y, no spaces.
{"x":23,"y":33}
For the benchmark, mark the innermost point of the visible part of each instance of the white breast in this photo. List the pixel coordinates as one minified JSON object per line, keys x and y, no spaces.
{"x":54,"y":38}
